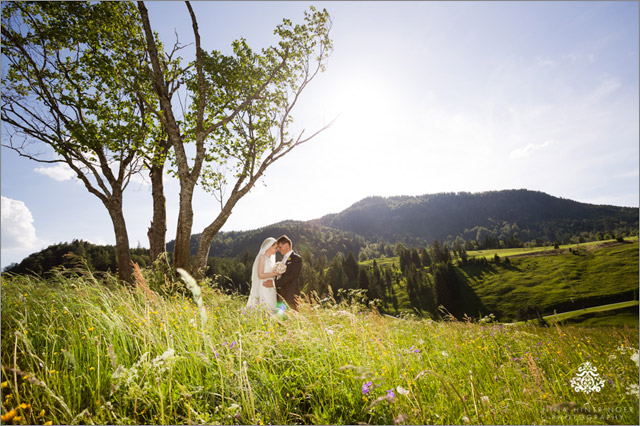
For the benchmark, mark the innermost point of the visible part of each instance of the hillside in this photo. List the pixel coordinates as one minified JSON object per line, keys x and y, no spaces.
{"x":374,"y":225}
{"x":306,"y":236}
{"x":514,"y":287}
{"x":487,"y":217}
{"x":530,"y":214}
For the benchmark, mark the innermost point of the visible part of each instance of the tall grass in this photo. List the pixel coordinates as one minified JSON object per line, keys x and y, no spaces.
{"x":76,"y":350}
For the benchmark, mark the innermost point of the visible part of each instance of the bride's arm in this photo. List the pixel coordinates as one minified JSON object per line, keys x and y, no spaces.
{"x":261,"y":273}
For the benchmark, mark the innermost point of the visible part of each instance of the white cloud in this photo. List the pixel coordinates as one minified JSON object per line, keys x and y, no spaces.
{"x":528,"y":150}
{"x":18,"y":232}
{"x":59,"y":172}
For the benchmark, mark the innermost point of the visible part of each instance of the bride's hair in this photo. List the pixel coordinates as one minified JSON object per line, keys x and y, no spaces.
{"x":284,"y":239}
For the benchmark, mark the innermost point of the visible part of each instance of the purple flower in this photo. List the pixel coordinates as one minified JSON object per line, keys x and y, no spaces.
{"x":366,"y":387}
{"x":390,"y":394}
{"x":232,"y":344}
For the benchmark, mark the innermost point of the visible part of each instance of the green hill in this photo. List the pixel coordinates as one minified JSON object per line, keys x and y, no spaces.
{"x":547,"y":280}
{"x":531,"y":215}
{"x":482,"y":220}
{"x":561,"y":281}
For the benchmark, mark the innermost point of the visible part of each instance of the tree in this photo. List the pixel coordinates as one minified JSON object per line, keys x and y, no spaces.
{"x":78,"y":89}
{"x":350,"y":268}
{"x":447,"y":287}
{"x":239,"y":119}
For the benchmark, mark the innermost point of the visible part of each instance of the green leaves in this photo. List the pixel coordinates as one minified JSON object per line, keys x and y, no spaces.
{"x":265,"y":86}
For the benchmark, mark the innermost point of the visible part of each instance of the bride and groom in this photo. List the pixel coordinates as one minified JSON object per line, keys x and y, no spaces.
{"x":271,"y":281}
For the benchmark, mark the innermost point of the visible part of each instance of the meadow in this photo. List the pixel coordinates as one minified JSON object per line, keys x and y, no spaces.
{"x":85,"y":350}
{"x":570,"y":278}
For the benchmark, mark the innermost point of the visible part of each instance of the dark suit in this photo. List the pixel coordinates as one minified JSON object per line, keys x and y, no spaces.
{"x":288,"y":285}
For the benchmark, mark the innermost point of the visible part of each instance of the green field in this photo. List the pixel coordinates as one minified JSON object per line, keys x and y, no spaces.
{"x":623,"y":313}
{"x":566,"y":281}
{"x":81,"y":351}
{"x":570,"y":278}
{"x":490,"y":253}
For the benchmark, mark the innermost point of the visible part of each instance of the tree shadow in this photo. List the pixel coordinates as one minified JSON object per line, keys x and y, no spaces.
{"x":470,"y":303}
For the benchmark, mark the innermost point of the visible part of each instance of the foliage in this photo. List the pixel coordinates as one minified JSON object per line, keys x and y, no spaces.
{"x":79,"y":351}
{"x":484,"y":220}
{"x":74,"y":84}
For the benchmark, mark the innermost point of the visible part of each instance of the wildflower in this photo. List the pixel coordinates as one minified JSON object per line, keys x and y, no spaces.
{"x":48,"y":423}
{"x":366,"y":387}
{"x":232,"y":345}
{"x":4,"y":385}
{"x":25,"y":406}
{"x":91,"y":328}
{"x":8,"y":416}
{"x":632,"y":389}
{"x":402,"y":391}
{"x":390,"y":394}
{"x":330,"y":332}
{"x":41,"y":414}
{"x":635,"y":359}
{"x":444,"y":353}
{"x":465,"y":419}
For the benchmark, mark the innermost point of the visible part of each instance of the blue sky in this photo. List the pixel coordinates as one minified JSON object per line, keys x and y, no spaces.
{"x":431,"y":96}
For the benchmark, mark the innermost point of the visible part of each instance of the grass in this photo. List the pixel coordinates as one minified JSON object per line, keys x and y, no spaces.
{"x":610,"y":311}
{"x":592,"y":274}
{"x":562,"y":282}
{"x":76,"y":350}
{"x":490,"y":253}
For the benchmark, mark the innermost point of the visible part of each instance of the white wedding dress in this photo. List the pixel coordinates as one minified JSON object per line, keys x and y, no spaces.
{"x":261,"y":295}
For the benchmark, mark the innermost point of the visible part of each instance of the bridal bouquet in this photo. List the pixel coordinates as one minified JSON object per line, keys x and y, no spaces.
{"x":279,"y":268}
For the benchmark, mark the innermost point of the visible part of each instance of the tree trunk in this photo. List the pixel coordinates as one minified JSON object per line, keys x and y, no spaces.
{"x":123,"y":252}
{"x":158,"y":229}
{"x":182,"y":248}
{"x":206,"y":238}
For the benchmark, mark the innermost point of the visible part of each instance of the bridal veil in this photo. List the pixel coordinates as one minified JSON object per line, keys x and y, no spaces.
{"x":254,"y":295}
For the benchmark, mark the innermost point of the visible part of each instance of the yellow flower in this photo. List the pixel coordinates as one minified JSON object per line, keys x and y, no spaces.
{"x":25,"y":406}
{"x":90,"y":369}
{"x":9,"y":416}
{"x":52,"y":371}
{"x":90,"y":328}
{"x":4,"y":385}
{"x":48,"y":423}
{"x":41,"y":414}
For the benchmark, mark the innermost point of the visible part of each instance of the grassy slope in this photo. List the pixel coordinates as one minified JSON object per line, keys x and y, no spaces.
{"x":544,"y":277}
{"x":77,"y":352}
{"x":564,"y":281}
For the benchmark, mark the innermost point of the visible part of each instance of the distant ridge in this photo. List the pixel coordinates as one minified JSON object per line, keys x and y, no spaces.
{"x":419,"y":220}
{"x":376,"y":224}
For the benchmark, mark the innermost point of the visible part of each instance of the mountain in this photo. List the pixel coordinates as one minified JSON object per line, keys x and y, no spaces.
{"x":419,"y":220}
{"x":319,"y":239}
{"x":376,"y":224}
{"x":530,"y":214}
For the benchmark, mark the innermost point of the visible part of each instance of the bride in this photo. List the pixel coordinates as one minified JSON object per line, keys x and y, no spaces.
{"x":263,"y":290}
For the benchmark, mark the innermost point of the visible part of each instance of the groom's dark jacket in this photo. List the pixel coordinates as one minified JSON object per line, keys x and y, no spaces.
{"x":288,"y":285}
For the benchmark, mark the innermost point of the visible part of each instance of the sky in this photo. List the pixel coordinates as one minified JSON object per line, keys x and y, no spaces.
{"x":430,"y":97}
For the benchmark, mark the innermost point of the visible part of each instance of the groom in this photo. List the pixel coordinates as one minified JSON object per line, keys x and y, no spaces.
{"x":288,"y":285}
